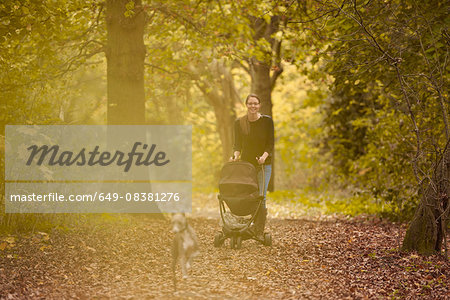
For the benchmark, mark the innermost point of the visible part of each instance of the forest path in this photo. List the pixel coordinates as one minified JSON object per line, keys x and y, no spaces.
{"x":309,"y":259}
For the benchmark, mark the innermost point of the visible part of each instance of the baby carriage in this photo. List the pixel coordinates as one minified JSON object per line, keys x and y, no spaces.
{"x":238,"y":189}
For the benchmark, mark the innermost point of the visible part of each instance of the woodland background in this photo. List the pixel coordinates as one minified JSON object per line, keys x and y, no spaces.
{"x":358,"y":91}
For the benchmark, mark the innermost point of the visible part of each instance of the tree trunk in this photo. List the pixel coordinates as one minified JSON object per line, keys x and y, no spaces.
{"x":427,"y":230}
{"x":220,"y":92}
{"x":262,"y":81}
{"x":125,"y":55}
{"x":261,"y":86}
{"x":225,"y":124}
{"x":260,"y":76}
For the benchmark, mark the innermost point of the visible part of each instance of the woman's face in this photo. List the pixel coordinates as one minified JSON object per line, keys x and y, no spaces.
{"x":253,"y":105}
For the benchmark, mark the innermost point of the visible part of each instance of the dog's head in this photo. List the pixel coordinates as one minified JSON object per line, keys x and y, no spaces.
{"x":179,"y":222}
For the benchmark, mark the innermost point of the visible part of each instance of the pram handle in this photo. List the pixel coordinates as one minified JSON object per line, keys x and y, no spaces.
{"x":263,"y":180}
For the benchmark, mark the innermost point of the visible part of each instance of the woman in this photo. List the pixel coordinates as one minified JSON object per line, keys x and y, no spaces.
{"x":253,"y":142}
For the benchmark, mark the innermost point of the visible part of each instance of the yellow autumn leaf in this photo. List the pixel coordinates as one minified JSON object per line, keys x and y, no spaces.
{"x":45,"y":247}
{"x":3,"y":245}
{"x":9,"y":239}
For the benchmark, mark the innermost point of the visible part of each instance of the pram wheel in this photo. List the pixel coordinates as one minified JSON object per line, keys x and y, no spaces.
{"x":267,"y":239}
{"x":218,"y":239}
{"x":238,"y":242}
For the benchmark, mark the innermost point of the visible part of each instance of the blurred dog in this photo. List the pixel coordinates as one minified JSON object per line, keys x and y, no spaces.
{"x":185,"y":245}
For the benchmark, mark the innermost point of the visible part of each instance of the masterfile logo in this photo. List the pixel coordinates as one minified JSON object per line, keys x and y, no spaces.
{"x":98,"y":169}
{"x":54,"y":156}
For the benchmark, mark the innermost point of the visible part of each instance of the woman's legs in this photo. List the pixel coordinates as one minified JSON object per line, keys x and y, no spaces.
{"x":263,"y":182}
{"x":264,"y":185}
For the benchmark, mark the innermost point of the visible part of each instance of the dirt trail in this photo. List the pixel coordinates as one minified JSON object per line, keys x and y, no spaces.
{"x":308,"y":260}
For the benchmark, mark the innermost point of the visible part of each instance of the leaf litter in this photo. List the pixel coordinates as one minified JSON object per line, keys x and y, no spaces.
{"x":310,"y":259}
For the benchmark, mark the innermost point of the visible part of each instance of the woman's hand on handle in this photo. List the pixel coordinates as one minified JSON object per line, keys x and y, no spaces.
{"x":261,"y":160}
{"x":235,"y":156}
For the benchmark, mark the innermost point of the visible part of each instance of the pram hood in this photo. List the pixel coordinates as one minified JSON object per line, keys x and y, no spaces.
{"x":238,"y":179}
{"x":238,"y":187}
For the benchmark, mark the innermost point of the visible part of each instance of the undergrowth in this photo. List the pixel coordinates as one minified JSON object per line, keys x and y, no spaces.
{"x":313,"y":201}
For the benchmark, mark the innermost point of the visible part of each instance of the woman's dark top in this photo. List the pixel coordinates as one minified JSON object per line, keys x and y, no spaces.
{"x":259,"y":140}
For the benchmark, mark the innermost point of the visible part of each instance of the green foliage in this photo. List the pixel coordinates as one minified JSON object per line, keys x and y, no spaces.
{"x":387,"y":63}
{"x":313,"y":202}
{"x":129,"y":12}
{"x":206,"y":148}
{"x":31,"y":222}
{"x":342,"y":113}
{"x":42,"y":41}
{"x":297,"y":103}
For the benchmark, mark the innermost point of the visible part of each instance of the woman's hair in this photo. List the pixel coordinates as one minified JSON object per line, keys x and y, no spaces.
{"x":252,"y":96}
